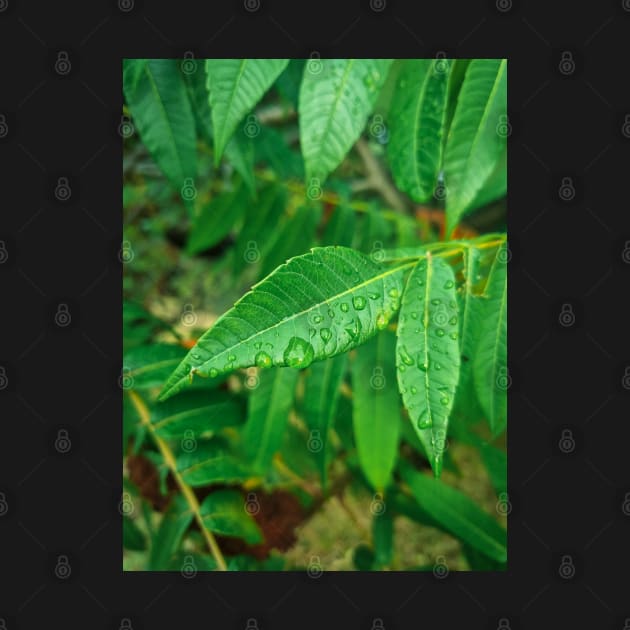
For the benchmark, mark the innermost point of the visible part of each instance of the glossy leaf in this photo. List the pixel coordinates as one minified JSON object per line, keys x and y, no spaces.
{"x":223,"y":512}
{"x":313,"y":307}
{"x":427,"y":352}
{"x":336,"y":98}
{"x":320,"y":405}
{"x":216,"y":219}
{"x":490,"y":364}
{"x":458,"y":514}
{"x":416,"y":121}
{"x":269,"y":406}
{"x":169,"y":535}
{"x":376,"y":408}
{"x":495,"y":186}
{"x":474,"y":145}
{"x":148,"y":366}
{"x":235,"y":86}
{"x":164,"y":119}
{"x":195,"y":413}
{"x":210,"y":462}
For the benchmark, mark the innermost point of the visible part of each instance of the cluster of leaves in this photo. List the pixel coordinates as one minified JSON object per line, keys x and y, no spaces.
{"x":370,"y":349}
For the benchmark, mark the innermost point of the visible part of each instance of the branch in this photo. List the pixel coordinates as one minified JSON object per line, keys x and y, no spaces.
{"x":189,"y":495}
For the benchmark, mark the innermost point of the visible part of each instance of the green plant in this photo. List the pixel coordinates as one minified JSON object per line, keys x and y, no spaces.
{"x":372,"y":335}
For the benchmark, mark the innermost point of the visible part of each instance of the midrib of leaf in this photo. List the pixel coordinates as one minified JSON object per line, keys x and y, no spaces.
{"x":425,"y":334}
{"x":284,"y":322}
{"x":416,"y":129}
{"x":468,"y":271}
{"x":153,"y":366}
{"x":496,"y":345}
{"x":168,"y":124}
{"x":241,"y":70}
{"x":183,"y":414}
{"x":336,"y":103}
{"x":484,"y":116}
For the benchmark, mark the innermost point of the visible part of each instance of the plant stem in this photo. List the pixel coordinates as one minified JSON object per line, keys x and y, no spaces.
{"x":189,"y":495}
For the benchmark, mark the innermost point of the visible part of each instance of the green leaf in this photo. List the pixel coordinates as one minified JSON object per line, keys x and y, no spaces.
{"x":132,"y":71}
{"x":458,"y":514}
{"x":163,"y":116}
{"x":272,"y":148}
{"x":313,"y":307}
{"x":490,"y":363}
{"x":495,"y":186}
{"x":336,"y":98}
{"x":288,"y":83}
{"x":495,"y":461}
{"x":216,"y":219}
{"x":169,"y":535}
{"x":320,"y":404}
{"x":416,"y":122}
{"x":235,"y":87}
{"x":223,"y":512}
{"x":473,"y":146}
{"x":211,"y":462}
{"x":269,"y":406}
{"x":375,"y":233}
{"x":383,"y":537}
{"x":341,"y":227}
{"x":295,"y":235}
{"x":195,"y":413}
{"x":427,"y":352}
{"x":376,"y":408}
{"x":259,"y":231}
{"x":148,"y":366}
{"x":133,"y":538}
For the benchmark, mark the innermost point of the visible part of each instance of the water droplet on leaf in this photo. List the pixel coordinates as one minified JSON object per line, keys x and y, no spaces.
{"x":358,"y":302}
{"x":325,"y":334}
{"x":299,"y":353}
{"x":344,"y":307}
{"x":262,"y":360}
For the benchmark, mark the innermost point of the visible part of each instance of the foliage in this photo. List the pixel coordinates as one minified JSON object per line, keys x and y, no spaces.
{"x":350,"y":195}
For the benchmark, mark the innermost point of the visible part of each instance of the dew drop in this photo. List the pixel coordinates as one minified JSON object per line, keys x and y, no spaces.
{"x":414,"y":315}
{"x":444,"y":400}
{"x":423,"y":366}
{"x":381,"y":321}
{"x":299,"y":353}
{"x":331,"y":313}
{"x":317,"y":319}
{"x":258,"y":345}
{"x":262,"y":360}
{"x":439,"y":332}
{"x":438,"y":366}
{"x":453,"y":320}
{"x":393,"y":293}
{"x":425,"y":422}
{"x":448,"y":284}
{"x":231,"y":358}
{"x":405,"y":357}
{"x":453,"y":335}
{"x":214,"y":372}
{"x":358,"y":302}
{"x":325,"y":334}
{"x":344,"y":307}
{"x":196,"y":356}
{"x":401,"y":368}
{"x":414,"y":390}
{"x":373,"y":296}
{"x":436,"y":301}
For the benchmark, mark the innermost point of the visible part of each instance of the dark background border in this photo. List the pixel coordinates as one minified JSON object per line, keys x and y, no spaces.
{"x":570,"y":244}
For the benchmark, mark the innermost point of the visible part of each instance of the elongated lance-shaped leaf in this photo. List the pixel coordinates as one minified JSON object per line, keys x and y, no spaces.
{"x":376,"y":408}
{"x":169,"y":535}
{"x":320,"y":404}
{"x":235,"y":87}
{"x":205,"y":462}
{"x":313,"y":307}
{"x":416,"y":122}
{"x":475,"y":142}
{"x":336,"y":98}
{"x":341,"y":227}
{"x":161,"y":111}
{"x":269,"y":406}
{"x":223,"y":512}
{"x":490,"y":371}
{"x":195,"y":413}
{"x":457,"y":513}
{"x":427,"y":352}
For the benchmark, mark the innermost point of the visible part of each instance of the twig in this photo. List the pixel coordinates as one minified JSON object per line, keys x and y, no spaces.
{"x":377,"y":177}
{"x":189,"y":495}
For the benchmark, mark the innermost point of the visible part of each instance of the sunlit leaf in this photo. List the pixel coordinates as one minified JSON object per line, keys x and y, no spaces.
{"x":313,"y":307}
{"x":223,"y":512}
{"x":427,"y":352}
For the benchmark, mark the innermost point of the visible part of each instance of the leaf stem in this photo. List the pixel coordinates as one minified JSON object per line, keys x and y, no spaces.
{"x":189,"y":495}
